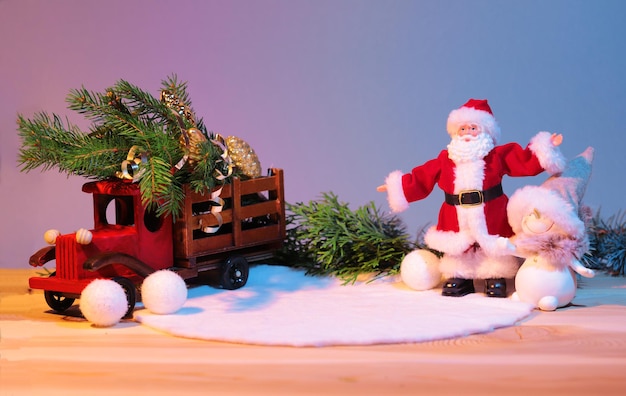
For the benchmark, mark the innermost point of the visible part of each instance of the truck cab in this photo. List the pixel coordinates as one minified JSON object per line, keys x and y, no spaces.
{"x":127,"y":242}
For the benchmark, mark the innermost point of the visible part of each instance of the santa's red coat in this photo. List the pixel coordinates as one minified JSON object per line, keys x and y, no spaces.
{"x":460,"y":228}
{"x":488,"y":221}
{"x":510,"y":159}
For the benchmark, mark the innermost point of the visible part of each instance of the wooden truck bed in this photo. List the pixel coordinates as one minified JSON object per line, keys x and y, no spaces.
{"x":252,"y":223}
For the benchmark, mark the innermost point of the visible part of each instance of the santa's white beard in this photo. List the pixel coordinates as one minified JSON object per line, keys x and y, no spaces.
{"x":470,"y":148}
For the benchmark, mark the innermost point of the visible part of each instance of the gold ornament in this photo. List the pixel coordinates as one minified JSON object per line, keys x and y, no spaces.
{"x":243,"y":156}
{"x":190,"y":140}
{"x":173,"y":102}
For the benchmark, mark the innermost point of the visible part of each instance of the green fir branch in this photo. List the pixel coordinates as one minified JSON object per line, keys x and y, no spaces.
{"x":124,"y":118}
{"x":607,"y":239}
{"x":202,"y":178}
{"x":94,"y":106}
{"x":145,"y":106}
{"x":326,"y":237}
{"x":156,"y":187}
{"x":49,"y":143}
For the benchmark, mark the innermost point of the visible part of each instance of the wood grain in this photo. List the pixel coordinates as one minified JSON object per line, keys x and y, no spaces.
{"x":578,"y":350}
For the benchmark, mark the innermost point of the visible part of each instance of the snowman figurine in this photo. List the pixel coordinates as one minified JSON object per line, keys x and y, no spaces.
{"x":550,"y":234}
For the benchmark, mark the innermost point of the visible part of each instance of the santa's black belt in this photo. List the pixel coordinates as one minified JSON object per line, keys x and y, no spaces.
{"x":474,"y":197}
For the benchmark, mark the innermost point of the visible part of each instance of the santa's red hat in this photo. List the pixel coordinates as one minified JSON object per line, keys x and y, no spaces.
{"x":475,"y":111}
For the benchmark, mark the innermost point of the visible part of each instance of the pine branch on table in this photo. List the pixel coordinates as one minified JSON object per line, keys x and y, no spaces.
{"x":326,"y":237}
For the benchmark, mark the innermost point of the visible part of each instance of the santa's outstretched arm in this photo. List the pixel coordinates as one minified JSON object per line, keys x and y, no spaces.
{"x":403,"y":189}
{"x":395,"y":193}
{"x":545,"y":146}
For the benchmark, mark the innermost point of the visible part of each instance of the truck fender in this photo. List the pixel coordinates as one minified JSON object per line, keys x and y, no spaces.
{"x":95,"y":263}
{"x":42,"y":256}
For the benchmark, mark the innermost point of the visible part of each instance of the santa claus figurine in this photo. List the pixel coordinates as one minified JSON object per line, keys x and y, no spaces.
{"x":472,"y":230}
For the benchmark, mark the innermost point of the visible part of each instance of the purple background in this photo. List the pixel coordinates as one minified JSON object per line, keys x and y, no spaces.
{"x":337,"y":93}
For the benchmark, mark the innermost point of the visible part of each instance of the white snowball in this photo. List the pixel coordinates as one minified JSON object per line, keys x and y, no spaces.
{"x":163,"y":292}
{"x":103,"y":302}
{"x":419,"y":270}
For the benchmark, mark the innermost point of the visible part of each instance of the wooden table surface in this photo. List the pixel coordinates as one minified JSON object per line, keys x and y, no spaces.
{"x":578,"y":350}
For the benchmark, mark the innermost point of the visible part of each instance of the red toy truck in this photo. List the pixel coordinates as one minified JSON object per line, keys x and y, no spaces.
{"x":129,"y":242}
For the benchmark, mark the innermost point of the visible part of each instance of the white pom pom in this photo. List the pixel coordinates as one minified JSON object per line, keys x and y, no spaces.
{"x":163,"y":292}
{"x":84,"y":236}
{"x":50,"y":236}
{"x":419,"y":270}
{"x":103,"y":302}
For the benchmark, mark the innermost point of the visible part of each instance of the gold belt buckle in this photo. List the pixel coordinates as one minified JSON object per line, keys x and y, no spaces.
{"x":478,"y":192}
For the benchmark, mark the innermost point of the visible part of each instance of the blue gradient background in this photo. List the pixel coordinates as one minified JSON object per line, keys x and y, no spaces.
{"x":338,"y":93}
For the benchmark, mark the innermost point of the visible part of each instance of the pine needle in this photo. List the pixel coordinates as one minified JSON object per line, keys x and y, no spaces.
{"x":326,"y":237}
{"x":123,"y":117}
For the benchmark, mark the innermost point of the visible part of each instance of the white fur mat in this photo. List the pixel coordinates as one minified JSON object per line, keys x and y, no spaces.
{"x":281,"y":306}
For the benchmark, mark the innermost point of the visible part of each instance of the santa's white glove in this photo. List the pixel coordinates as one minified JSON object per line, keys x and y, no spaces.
{"x":505,"y":245}
{"x":497,"y":246}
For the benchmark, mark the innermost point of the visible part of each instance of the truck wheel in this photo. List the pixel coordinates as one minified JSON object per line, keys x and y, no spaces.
{"x":234,"y":273}
{"x":57,"y":301}
{"x":131,"y":294}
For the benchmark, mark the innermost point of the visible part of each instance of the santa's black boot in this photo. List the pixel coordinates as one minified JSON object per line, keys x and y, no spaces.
{"x":495,"y":287}
{"x":457,"y":287}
